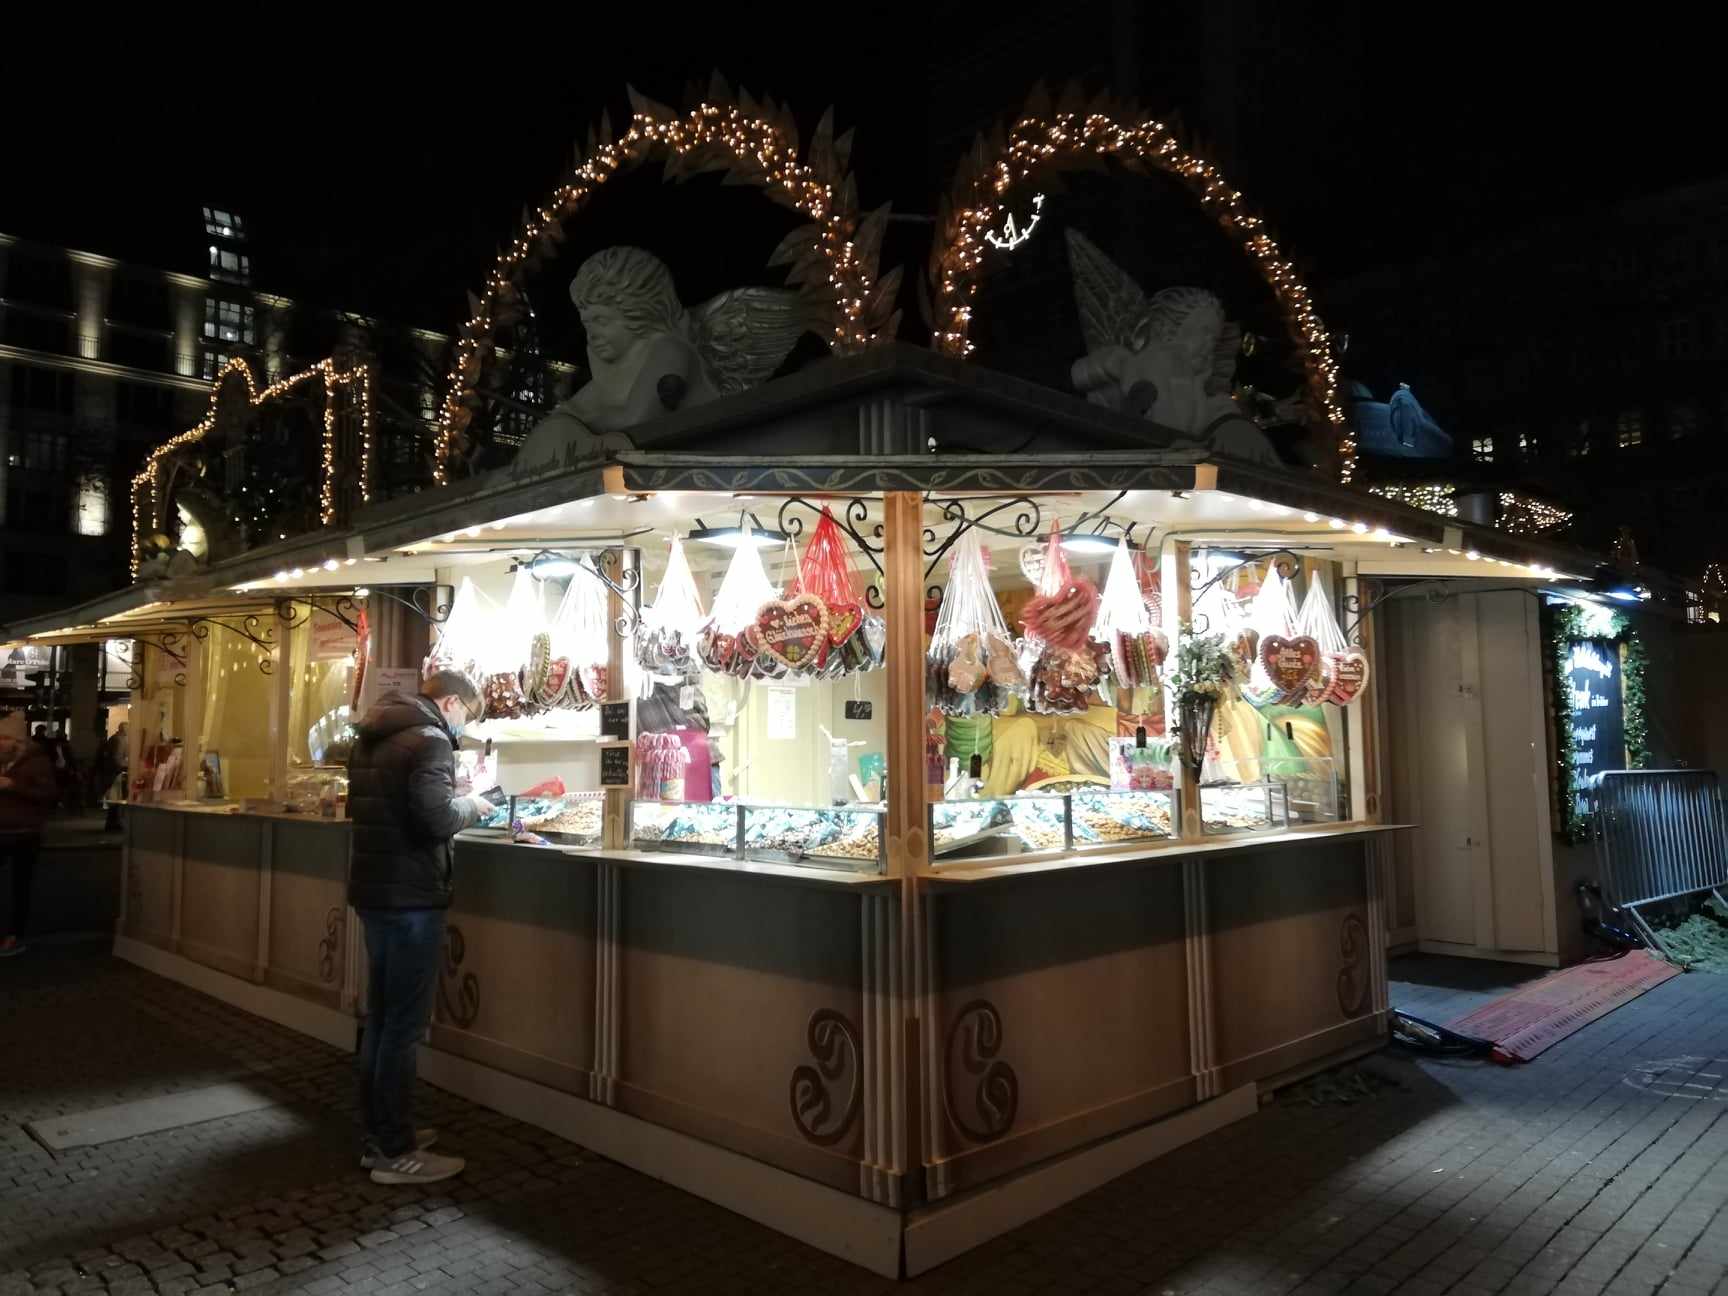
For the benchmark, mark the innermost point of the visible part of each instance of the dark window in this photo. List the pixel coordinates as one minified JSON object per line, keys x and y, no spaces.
{"x":146,"y":406}
{"x":1678,"y":337}
{"x":1629,"y":429}
{"x":1684,"y":420}
{"x":137,"y":350}
{"x":35,"y":573}
{"x":142,"y":303}
{"x":37,"y":330}
{"x":39,"y":280}
{"x":48,"y":390}
{"x":37,"y":450}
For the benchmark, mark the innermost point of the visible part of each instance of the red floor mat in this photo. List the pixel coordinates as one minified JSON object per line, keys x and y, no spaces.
{"x":1542,"y":1013}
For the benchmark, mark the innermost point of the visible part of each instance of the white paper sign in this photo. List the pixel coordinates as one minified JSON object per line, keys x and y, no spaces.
{"x":782,"y":713}
{"x":386,"y":679}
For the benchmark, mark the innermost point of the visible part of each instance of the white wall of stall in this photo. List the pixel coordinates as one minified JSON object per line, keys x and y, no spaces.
{"x":1468,"y":755}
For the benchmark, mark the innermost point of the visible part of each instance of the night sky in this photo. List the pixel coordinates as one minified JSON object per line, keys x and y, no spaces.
{"x":379,"y":178}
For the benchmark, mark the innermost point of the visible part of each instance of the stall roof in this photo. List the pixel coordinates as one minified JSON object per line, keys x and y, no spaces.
{"x":900,"y":419}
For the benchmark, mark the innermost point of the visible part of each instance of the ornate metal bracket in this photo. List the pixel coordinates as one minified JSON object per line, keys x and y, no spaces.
{"x":431,"y":603}
{"x":342,"y":607}
{"x":1286,"y":561}
{"x":1026,"y":524}
{"x":626,"y":586}
{"x":251,"y":628}
{"x":855,"y":514}
{"x":1353,"y":603}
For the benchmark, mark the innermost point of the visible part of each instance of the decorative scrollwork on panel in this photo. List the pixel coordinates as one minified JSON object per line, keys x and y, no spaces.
{"x":855,"y":515}
{"x":1353,"y":976}
{"x":458,"y":991}
{"x":330,"y":943}
{"x":834,"y":1045}
{"x":1028,"y":517}
{"x":977,"y":1030}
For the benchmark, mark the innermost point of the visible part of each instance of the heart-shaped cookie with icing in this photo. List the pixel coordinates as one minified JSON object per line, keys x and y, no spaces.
{"x":1290,"y":663}
{"x":794,"y":631}
{"x":1349,"y":676}
{"x":844,"y":620}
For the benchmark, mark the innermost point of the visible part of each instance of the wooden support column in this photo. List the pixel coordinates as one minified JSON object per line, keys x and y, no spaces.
{"x":894,"y":924}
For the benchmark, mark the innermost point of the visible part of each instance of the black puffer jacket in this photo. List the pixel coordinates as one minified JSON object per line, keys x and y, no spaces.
{"x":402,"y":799}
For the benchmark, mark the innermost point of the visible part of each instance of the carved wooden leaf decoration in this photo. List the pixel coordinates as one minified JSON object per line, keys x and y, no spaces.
{"x":867,"y":238}
{"x":719,"y":91}
{"x":796,"y":245}
{"x":843,"y":151}
{"x":821,"y":158}
{"x":1038,"y":102}
{"x":605,"y":127}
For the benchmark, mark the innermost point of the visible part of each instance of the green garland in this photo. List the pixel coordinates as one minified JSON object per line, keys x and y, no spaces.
{"x":1564,"y":626}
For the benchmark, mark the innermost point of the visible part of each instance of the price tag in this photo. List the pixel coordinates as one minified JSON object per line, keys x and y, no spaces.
{"x":615,"y":765}
{"x":858,"y":710}
{"x":686,"y":697}
{"x":615,"y":720}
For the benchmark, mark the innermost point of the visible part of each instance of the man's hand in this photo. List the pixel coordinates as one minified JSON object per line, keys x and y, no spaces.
{"x":483,"y":809}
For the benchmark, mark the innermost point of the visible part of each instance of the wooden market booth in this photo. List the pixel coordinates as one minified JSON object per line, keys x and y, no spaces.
{"x":941,"y":1026}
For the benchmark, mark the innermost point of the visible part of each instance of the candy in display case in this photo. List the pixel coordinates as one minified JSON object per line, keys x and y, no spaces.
{"x":689,"y":827}
{"x":566,"y":819}
{"x":1243,"y":807}
{"x":840,"y":836}
{"x":1088,"y":817}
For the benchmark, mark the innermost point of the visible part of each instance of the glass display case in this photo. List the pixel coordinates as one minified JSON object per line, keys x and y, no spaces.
{"x":1083,"y":819}
{"x":689,"y":827}
{"x":573,"y":819}
{"x":1243,"y":807}
{"x":1285,"y":791}
{"x":841,"y":836}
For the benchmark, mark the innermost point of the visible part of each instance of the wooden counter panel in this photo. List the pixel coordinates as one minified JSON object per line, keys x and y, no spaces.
{"x":1061,"y":1015}
{"x":219,"y":892}
{"x":518,"y":978}
{"x":720,"y":981}
{"x":152,"y":849}
{"x":1290,"y":952}
{"x":308,"y":908}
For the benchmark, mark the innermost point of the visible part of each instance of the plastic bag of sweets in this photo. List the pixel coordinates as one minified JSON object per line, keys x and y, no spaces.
{"x":971,"y":664}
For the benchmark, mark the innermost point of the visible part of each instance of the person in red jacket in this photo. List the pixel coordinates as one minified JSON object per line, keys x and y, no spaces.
{"x":28,"y":790}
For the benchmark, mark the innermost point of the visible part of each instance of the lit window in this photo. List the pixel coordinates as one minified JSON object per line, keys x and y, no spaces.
{"x":91,"y":511}
{"x":224,"y":224}
{"x":228,"y":322}
{"x":1683,"y":420}
{"x":1526,"y":443}
{"x":213,"y":362}
{"x":1629,"y":429}
{"x":1482,"y":449}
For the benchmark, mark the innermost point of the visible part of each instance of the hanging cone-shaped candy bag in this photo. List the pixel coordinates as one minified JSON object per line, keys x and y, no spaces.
{"x":825,"y":571}
{"x":1136,"y":644}
{"x":971,"y":666}
{"x":1058,"y":622}
{"x":666,"y":638}
{"x":726,"y":642}
{"x":1343,"y":667}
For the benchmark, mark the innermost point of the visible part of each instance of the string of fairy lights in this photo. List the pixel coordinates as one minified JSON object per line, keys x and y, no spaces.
{"x":1037,"y":144}
{"x":746,"y":136}
{"x":355,"y":381}
{"x":1518,"y":515}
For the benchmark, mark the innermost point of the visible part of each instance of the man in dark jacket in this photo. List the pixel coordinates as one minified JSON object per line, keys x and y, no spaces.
{"x":402,"y":800}
{"x":27,"y":794}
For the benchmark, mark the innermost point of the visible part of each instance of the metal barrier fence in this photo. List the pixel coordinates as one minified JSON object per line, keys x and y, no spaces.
{"x":1660,"y":834}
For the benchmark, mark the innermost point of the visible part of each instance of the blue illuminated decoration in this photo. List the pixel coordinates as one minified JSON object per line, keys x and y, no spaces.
{"x":1397,"y":429}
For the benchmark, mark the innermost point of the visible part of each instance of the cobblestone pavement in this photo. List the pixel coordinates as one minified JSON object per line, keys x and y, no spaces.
{"x":1584,"y":1172}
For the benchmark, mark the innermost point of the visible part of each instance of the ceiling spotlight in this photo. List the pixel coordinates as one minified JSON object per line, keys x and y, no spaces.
{"x":748,"y":532}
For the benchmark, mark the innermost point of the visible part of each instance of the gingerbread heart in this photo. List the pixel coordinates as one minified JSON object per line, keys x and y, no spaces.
{"x":717,"y":649}
{"x":1349,"y":676}
{"x":1290,"y":663}
{"x":794,"y":631}
{"x":844,"y":621}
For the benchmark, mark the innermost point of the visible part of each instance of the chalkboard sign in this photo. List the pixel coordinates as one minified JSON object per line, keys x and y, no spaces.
{"x":615,"y":720}
{"x":858,"y":710}
{"x":615,"y":765}
{"x":1598,"y":713}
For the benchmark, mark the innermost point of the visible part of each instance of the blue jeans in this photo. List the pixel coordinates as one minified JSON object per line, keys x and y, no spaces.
{"x":403,"y":949}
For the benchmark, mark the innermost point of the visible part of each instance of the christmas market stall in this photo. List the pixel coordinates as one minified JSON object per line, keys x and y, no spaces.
{"x":923,"y":793}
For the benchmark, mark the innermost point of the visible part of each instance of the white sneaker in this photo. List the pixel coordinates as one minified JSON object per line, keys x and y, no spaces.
{"x":423,"y":1139}
{"x":418,"y":1167}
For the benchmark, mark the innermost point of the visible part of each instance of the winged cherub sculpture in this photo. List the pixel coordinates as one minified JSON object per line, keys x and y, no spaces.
{"x":1169,"y":357}
{"x":648,"y":355}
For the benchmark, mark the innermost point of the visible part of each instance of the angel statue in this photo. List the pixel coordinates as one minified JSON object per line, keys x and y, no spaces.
{"x":1168,"y":358}
{"x":648,"y":355}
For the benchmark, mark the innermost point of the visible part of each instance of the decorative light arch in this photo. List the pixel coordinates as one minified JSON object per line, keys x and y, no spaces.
{"x":147,"y":482}
{"x":835,"y":256}
{"x":1045,"y":140}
